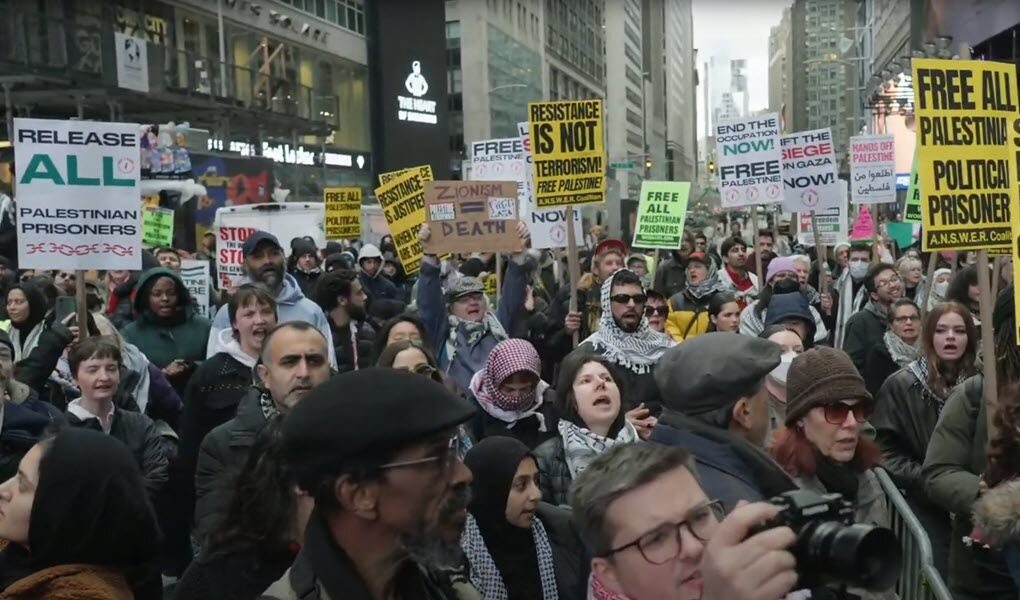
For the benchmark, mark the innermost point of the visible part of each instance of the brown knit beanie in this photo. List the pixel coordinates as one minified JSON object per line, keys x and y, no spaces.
{"x":822,"y":376}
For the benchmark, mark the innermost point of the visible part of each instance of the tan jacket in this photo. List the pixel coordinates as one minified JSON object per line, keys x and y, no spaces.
{"x":70,"y":582}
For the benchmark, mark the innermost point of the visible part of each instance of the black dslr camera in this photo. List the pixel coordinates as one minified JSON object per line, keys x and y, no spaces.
{"x":831,"y":548}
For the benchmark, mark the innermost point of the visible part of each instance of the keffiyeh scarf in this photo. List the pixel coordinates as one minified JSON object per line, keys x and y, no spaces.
{"x":484,"y":572}
{"x":637,"y":352}
{"x":709,"y":286}
{"x":919,"y":369}
{"x":269,"y":410}
{"x":474,"y":331}
{"x":581,"y":446}
{"x":902,"y":353}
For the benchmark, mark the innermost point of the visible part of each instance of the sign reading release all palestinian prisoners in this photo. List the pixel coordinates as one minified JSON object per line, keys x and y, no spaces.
{"x":77,"y":195}
{"x":750,"y":161}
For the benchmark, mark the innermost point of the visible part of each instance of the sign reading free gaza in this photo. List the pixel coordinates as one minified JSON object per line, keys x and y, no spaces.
{"x":77,"y":194}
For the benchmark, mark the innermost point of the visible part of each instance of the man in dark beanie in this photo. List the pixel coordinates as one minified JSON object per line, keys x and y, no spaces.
{"x":716,"y":405}
{"x":390,"y":500}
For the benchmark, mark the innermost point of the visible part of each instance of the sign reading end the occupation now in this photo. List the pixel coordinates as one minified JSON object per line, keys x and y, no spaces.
{"x":78,"y":200}
{"x":750,"y":161}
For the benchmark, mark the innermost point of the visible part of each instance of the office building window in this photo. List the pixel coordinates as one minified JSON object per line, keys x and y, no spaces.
{"x":349,"y":14}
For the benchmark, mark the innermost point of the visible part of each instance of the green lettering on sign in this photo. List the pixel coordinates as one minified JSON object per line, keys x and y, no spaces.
{"x":41,"y":166}
{"x":72,"y":174}
{"x":110,"y":179}
{"x":661,"y":214}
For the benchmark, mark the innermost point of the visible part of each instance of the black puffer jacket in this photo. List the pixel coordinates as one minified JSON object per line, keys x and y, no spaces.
{"x":570,"y":560}
{"x":555,"y":479}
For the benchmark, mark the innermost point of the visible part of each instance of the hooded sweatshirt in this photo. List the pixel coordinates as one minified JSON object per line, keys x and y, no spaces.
{"x":377,"y":286}
{"x":25,"y":336}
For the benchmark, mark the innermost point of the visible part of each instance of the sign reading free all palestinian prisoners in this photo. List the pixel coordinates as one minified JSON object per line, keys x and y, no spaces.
{"x":750,"y":161}
{"x":966,"y":112}
{"x":77,"y":195}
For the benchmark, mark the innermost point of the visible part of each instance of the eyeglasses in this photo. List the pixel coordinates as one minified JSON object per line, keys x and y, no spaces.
{"x":888,"y":282}
{"x":907,"y":319}
{"x":836,"y":412}
{"x":663,"y":543}
{"x":420,"y":369}
{"x":453,"y":449}
{"x":651,"y":311}
{"x":626,"y":298}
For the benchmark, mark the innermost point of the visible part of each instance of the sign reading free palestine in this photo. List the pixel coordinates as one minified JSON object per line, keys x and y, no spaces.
{"x":78,"y":199}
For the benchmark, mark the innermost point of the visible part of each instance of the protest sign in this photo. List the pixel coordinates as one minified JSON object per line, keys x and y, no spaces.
{"x":503,"y":160}
{"x":965,"y":114}
{"x":195,"y":275}
{"x":902,"y":232}
{"x":77,"y":195}
{"x":809,"y":171}
{"x":568,"y":153}
{"x":872,"y":169}
{"x":750,"y":158}
{"x":864,"y":226}
{"x":472,"y":216}
{"x":157,"y":227}
{"x":912,"y":207}
{"x":424,"y":170}
{"x":234,"y":224}
{"x":832,"y":227}
{"x":403,"y":202}
{"x":661,"y":214}
{"x":548,"y":228}
{"x":343,"y":212}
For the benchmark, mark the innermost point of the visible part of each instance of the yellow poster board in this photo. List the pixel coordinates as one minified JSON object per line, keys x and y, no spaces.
{"x":424,"y":170}
{"x":403,"y":203}
{"x":568,"y":152}
{"x":343,"y":212}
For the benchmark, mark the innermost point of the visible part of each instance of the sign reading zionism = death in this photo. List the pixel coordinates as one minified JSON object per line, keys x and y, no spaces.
{"x":568,"y":155}
{"x":965,"y":110}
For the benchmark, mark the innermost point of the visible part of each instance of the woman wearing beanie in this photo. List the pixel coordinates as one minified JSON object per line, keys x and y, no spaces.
{"x":518,"y":547}
{"x":511,"y":397}
{"x":821,"y":445}
{"x":909,"y":405}
{"x":782,"y":279}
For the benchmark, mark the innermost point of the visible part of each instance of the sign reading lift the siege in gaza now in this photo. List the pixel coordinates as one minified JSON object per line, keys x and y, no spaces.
{"x":809,"y":172}
{"x":568,"y":154}
{"x":78,"y":197}
{"x":966,"y":110}
{"x":750,"y":161}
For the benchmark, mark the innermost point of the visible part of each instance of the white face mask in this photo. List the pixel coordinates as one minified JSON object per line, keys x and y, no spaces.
{"x":941,"y":287}
{"x":859,"y":268}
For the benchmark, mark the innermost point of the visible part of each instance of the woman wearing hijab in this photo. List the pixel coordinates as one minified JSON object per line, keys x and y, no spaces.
{"x":78,"y":523}
{"x":688,"y":315}
{"x":511,"y":397}
{"x":26,"y":308}
{"x":940,"y":287}
{"x":519,"y":548}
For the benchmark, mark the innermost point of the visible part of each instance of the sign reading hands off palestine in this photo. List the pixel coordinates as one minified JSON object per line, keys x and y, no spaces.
{"x":966,"y":112}
{"x":661,"y":214}
{"x":872,"y":169}
{"x":78,"y":200}
{"x":569,"y":158}
{"x":750,"y":161}
{"x":809,"y":172}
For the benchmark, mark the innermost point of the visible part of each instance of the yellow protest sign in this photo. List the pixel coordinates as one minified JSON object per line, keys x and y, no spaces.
{"x":1015,"y":246}
{"x":343,"y":212}
{"x":424,"y":170}
{"x":568,"y":154}
{"x":403,"y":203}
{"x":965,"y":110}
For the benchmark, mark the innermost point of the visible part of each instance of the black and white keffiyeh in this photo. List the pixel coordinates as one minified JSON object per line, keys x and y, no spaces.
{"x":581,"y":445}
{"x":638,"y":351}
{"x":485,"y":574}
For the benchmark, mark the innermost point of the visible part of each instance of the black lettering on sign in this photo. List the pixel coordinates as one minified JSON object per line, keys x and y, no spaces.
{"x":946,"y":89}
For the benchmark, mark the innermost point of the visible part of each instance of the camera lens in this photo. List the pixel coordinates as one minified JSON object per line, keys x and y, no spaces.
{"x":859,"y":555}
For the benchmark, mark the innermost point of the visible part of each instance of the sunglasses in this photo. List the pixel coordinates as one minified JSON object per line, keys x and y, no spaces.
{"x":651,"y":311}
{"x":836,"y":412}
{"x":626,"y":298}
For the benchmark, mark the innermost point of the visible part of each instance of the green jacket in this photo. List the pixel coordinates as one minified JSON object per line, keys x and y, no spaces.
{"x":163,"y":343}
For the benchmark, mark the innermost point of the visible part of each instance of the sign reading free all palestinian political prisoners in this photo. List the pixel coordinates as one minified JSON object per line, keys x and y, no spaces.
{"x":872,"y":169}
{"x":403,"y":203}
{"x":472,"y":216}
{"x":750,"y":159}
{"x":78,"y":200}
{"x":568,"y":153}
{"x":343,"y":212}
{"x":809,"y":172}
{"x":966,"y":112}
{"x":661,"y":214}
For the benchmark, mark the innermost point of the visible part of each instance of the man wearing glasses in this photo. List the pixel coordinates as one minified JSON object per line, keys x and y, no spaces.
{"x":390,"y":495}
{"x":655,"y":535}
{"x":866,"y":328}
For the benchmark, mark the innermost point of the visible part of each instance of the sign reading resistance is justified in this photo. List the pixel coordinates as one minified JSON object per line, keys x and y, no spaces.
{"x":965,"y":110}
{"x":569,"y":158}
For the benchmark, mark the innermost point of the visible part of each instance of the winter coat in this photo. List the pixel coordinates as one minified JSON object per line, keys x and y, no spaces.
{"x":641,"y":387}
{"x":291,"y":305}
{"x":70,"y":582}
{"x":952,"y":466}
{"x":221,"y":456}
{"x":240,"y":575}
{"x":863,"y":331}
{"x":570,"y":561}
{"x":526,"y":430}
{"x":306,"y":281}
{"x":379,"y":287}
{"x":555,"y":480}
{"x":879,"y":366}
{"x":730,"y":467}
{"x":118,"y":304}
{"x":752,"y":323}
{"x":670,"y":277}
{"x":364,"y":336}
{"x":162,"y":343}
{"x":997,"y":516}
{"x":8,"y":231}
{"x":151,"y":447}
{"x":25,"y":420}
{"x":557,"y":343}
{"x":688,"y":316}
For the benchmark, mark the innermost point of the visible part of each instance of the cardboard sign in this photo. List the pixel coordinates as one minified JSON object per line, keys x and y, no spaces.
{"x":195,"y":274}
{"x":965,"y":116}
{"x":343,"y":212}
{"x":234,"y":224}
{"x":912,"y":207}
{"x":568,"y":152}
{"x":872,"y":169}
{"x":548,"y":228}
{"x":809,"y":171}
{"x":750,"y":158}
{"x":77,"y":195}
{"x":158,"y":227}
{"x":403,"y":202}
{"x":472,"y":216}
{"x":424,"y":170}
{"x":661,"y":214}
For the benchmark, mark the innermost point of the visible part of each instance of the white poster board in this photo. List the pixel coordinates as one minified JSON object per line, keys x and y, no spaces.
{"x":547,"y":226}
{"x":195,"y":274}
{"x":872,"y":169}
{"x":832,"y":223}
{"x":809,"y":172}
{"x":132,"y":62}
{"x":749,"y":156}
{"x":78,"y":201}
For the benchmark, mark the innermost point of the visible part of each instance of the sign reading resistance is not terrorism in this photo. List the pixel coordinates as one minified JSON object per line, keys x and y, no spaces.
{"x":569,"y":158}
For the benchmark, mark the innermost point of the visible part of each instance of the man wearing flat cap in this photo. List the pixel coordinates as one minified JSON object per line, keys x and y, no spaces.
{"x":391,"y":495}
{"x":715,"y":404}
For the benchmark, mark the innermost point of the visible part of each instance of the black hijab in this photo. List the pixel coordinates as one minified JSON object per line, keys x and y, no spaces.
{"x":493,"y":463}
{"x":37,"y":308}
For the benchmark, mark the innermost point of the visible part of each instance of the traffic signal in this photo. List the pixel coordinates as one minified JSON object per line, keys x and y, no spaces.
{"x":711,"y":166}
{"x":648,"y":163}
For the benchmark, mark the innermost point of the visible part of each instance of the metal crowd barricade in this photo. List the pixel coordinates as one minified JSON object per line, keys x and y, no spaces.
{"x":919,"y":579}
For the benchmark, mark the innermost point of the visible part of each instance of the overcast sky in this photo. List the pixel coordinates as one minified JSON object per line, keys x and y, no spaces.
{"x":737,"y":29}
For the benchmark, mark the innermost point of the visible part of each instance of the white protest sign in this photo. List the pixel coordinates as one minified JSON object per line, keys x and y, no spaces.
{"x":78,"y":201}
{"x":809,"y":172}
{"x":234,"y":224}
{"x":832,"y":223}
{"x":872,"y":169}
{"x":502,"y":160}
{"x":549,"y":227}
{"x":132,"y":62}
{"x":195,"y":274}
{"x":749,"y":156}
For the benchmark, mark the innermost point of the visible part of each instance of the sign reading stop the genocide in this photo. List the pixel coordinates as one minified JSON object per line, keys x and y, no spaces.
{"x":750,"y":161}
{"x":809,"y":172}
{"x":966,"y":112}
{"x":568,"y":155}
